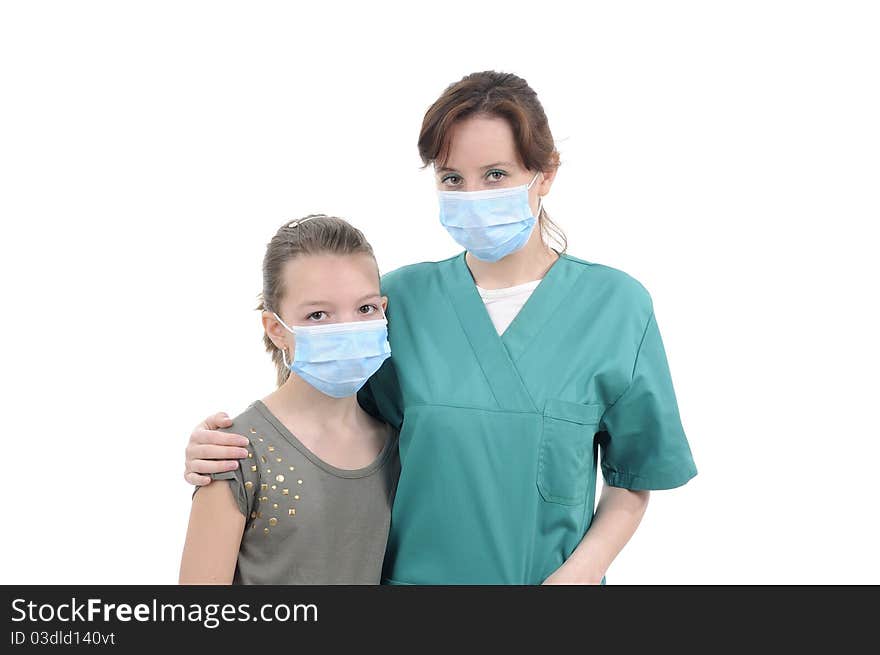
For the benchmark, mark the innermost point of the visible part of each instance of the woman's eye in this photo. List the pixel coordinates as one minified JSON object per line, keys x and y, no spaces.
{"x":452,"y":180}
{"x":369,"y":309}
{"x":317,"y":316}
{"x":495,"y":176}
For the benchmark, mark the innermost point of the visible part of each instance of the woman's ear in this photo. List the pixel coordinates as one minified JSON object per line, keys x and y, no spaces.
{"x":546,"y":181}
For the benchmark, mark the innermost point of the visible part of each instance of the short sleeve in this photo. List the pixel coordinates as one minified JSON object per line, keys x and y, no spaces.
{"x":642,"y":441}
{"x":244,"y":481}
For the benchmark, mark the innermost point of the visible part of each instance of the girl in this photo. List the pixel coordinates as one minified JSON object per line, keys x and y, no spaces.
{"x":517,"y":370}
{"x":309,"y":501}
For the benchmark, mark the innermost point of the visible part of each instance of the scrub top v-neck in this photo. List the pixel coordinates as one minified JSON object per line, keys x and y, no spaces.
{"x":500,"y":436}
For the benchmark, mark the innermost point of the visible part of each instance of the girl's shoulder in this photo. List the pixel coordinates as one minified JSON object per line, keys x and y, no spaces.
{"x":252,"y":423}
{"x":248,"y":422}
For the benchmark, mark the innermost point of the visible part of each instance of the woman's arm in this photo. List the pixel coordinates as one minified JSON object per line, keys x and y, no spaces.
{"x":213,"y":537}
{"x":618,"y":514}
{"x":209,"y":451}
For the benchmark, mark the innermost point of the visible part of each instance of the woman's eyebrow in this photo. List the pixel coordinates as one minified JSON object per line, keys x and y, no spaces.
{"x":445,"y":169}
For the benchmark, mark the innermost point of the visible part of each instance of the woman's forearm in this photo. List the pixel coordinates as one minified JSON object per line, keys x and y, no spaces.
{"x":617,"y":516}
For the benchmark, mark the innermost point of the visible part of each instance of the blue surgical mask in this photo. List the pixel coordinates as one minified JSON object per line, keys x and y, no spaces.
{"x":338,"y":358}
{"x":489,"y":224}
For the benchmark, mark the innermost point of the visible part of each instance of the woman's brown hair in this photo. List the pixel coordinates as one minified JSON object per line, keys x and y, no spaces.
{"x":501,"y":95}
{"x":314,"y":234}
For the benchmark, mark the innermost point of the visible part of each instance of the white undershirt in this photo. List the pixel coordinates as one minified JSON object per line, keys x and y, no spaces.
{"x":504,"y":304}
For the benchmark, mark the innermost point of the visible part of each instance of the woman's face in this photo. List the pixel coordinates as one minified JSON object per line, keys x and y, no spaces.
{"x":482,"y":155}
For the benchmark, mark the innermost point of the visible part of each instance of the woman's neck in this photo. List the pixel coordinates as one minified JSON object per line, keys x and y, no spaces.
{"x":531,"y":262}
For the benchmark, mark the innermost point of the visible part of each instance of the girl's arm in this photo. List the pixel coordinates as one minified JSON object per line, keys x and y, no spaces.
{"x":213,"y":537}
{"x":618,"y":514}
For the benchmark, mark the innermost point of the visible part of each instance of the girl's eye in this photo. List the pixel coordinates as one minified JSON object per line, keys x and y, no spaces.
{"x":317,"y":316}
{"x":496,"y":175}
{"x":451,"y":179}
{"x":369,"y":309}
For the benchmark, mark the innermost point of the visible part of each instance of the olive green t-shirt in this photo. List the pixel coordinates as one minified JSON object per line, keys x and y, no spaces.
{"x":307,"y":522}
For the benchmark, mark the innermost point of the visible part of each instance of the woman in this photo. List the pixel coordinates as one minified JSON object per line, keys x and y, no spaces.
{"x":513,"y":365}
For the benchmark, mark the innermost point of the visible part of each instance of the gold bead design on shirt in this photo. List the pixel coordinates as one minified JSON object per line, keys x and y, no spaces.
{"x":264,"y":487}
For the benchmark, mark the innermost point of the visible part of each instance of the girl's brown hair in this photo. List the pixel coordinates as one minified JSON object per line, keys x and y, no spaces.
{"x":311,"y":235}
{"x":501,"y":95}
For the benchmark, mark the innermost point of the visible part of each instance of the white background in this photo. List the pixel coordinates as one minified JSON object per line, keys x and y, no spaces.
{"x":723,"y":153}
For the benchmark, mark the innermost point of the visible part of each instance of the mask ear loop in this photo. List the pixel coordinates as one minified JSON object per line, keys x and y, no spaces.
{"x":540,"y":198}
{"x":283,"y":350}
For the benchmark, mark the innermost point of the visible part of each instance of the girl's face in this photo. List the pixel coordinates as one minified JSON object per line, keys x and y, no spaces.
{"x":326,"y":288}
{"x":482,"y":155}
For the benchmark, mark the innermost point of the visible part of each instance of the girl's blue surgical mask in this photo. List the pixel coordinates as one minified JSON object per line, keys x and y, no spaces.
{"x":338,"y":358}
{"x":489,"y":224}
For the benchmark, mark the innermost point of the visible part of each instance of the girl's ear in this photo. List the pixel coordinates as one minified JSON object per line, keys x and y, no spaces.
{"x":384,"y":304}
{"x":275,"y":330}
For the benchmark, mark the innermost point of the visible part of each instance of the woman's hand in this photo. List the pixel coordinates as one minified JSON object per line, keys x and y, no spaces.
{"x":209,"y":451}
{"x":565,"y":575}
{"x":617,"y":516}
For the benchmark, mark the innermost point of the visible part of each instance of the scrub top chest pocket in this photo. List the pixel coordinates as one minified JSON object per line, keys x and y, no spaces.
{"x":565,"y":457}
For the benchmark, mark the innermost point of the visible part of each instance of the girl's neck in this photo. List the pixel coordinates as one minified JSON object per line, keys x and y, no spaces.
{"x":531,"y":262}
{"x":297,"y":398}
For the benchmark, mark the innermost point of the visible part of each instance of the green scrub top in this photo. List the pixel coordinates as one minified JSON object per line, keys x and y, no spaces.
{"x":500,"y":436}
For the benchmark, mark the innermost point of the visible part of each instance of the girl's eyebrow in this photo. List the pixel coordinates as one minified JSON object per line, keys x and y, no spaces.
{"x":313,"y":303}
